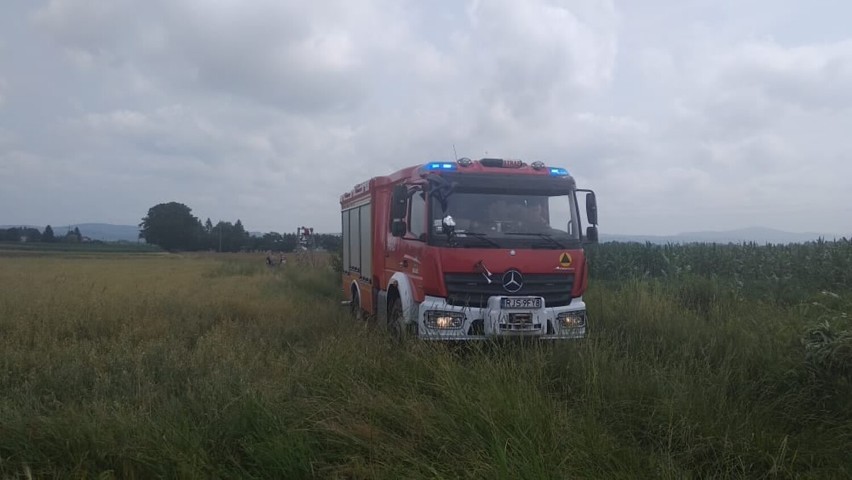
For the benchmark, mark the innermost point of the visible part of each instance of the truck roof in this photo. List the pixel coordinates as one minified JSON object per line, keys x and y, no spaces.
{"x":461,"y":166}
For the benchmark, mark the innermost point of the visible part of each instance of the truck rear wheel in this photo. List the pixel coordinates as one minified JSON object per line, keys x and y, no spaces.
{"x":355,"y":307}
{"x":397,"y":327}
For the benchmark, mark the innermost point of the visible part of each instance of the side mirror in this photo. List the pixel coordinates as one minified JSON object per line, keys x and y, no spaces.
{"x":398,"y":228}
{"x":592,"y":234}
{"x":399,"y":202}
{"x":592,"y":209}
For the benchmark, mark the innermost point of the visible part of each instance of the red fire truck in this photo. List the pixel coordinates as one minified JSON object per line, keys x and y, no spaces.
{"x":470,"y":249}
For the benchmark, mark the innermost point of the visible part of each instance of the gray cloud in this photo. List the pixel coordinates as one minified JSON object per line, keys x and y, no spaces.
{"x":682,"y":117}
{"x":803,"y":77}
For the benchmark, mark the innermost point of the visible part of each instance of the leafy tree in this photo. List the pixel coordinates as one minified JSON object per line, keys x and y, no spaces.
{"x":269,"y":241}
{"x":289,"y":242}
{"x":14,"y":234}
{"x":31,"y":234}
{"x":10,"y":234}
{"x":230,"y":237}
{"x":274,"y":241}
{"x":220,"y":236}
{"x":241,"y":237}
{"x":171,"y":226}
{"x":48,"y":236}
{"x":71,"y":237}
{"x":332,"y":243}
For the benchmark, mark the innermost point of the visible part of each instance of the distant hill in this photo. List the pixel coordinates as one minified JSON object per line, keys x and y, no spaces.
{"x":759,"y":235}
{"x":105,"y":232}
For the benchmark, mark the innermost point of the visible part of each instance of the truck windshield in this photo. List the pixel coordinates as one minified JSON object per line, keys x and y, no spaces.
{"x":488,"y":220}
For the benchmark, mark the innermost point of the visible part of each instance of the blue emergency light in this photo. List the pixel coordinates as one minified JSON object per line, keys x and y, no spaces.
{"x":558,"y":172}
{"x":440,"y":166}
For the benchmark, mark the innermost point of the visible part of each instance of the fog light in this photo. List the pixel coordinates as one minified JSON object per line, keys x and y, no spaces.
{"x":444,"y":320}
{"x":572,"y":319}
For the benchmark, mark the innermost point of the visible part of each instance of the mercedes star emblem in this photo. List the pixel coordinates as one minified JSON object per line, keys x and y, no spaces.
{"x":513,"y":281}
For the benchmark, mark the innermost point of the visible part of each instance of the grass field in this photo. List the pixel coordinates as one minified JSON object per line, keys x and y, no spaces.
{"x":10,"y":249}
{"x":202,"y":366}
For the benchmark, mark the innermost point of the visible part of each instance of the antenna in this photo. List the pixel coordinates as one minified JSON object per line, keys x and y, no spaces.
{"x":454,"y":152}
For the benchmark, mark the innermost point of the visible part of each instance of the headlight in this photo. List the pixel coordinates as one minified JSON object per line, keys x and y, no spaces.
{"x":572,"y":319}
{"x":444,"y":320}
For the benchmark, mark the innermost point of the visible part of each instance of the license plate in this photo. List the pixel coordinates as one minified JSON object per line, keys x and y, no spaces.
{"x":520,"y":302}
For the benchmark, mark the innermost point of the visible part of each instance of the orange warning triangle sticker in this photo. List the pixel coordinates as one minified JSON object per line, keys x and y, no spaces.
{"x":565,"y":260}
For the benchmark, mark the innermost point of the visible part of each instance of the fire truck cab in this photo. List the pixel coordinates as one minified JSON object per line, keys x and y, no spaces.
{"x":470,"y":249}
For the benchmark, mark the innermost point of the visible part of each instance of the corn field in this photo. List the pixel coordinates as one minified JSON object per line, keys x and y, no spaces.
{"x":785,"y":274}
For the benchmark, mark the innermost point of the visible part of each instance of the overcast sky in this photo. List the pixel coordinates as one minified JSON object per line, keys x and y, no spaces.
{"x":682,"y":115}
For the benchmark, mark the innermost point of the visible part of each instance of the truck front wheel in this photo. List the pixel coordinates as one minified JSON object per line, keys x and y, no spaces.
{"x":397,"y":327}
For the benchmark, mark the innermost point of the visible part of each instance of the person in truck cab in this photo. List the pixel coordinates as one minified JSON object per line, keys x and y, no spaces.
{"x":472,"y":217}
{"x":536,"y":217}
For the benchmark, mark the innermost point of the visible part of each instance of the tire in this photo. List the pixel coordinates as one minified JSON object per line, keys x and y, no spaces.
{"x":355,"y":307}
{"x":398,"y":329}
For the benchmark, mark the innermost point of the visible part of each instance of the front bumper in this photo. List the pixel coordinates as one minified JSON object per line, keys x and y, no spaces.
{"x":493,"y":321}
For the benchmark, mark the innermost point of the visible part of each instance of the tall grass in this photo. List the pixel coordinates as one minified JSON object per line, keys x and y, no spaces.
{"x":217,"y":366}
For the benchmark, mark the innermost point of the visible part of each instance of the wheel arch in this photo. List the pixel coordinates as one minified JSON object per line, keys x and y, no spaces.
{"x":400,"y":288}
{"x":355,"y":291}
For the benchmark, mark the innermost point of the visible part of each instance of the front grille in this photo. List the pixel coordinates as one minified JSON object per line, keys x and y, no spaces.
{"x":472,"y":290}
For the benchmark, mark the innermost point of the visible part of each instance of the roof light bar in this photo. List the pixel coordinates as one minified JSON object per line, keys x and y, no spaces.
{"x":558,"y":172}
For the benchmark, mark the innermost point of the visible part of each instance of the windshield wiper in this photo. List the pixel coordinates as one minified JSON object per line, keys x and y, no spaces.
{"x":540,"y":235}
{"x":477,"y":235}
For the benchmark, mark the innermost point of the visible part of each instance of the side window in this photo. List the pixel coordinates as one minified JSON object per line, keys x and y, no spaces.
{"x":390,"y":216}
{"x":417,"y":215}
{"x":347,"y":239}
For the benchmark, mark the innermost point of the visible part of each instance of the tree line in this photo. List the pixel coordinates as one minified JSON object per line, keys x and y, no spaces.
{"x":30,"y":234}
{"x":172,"y":226}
